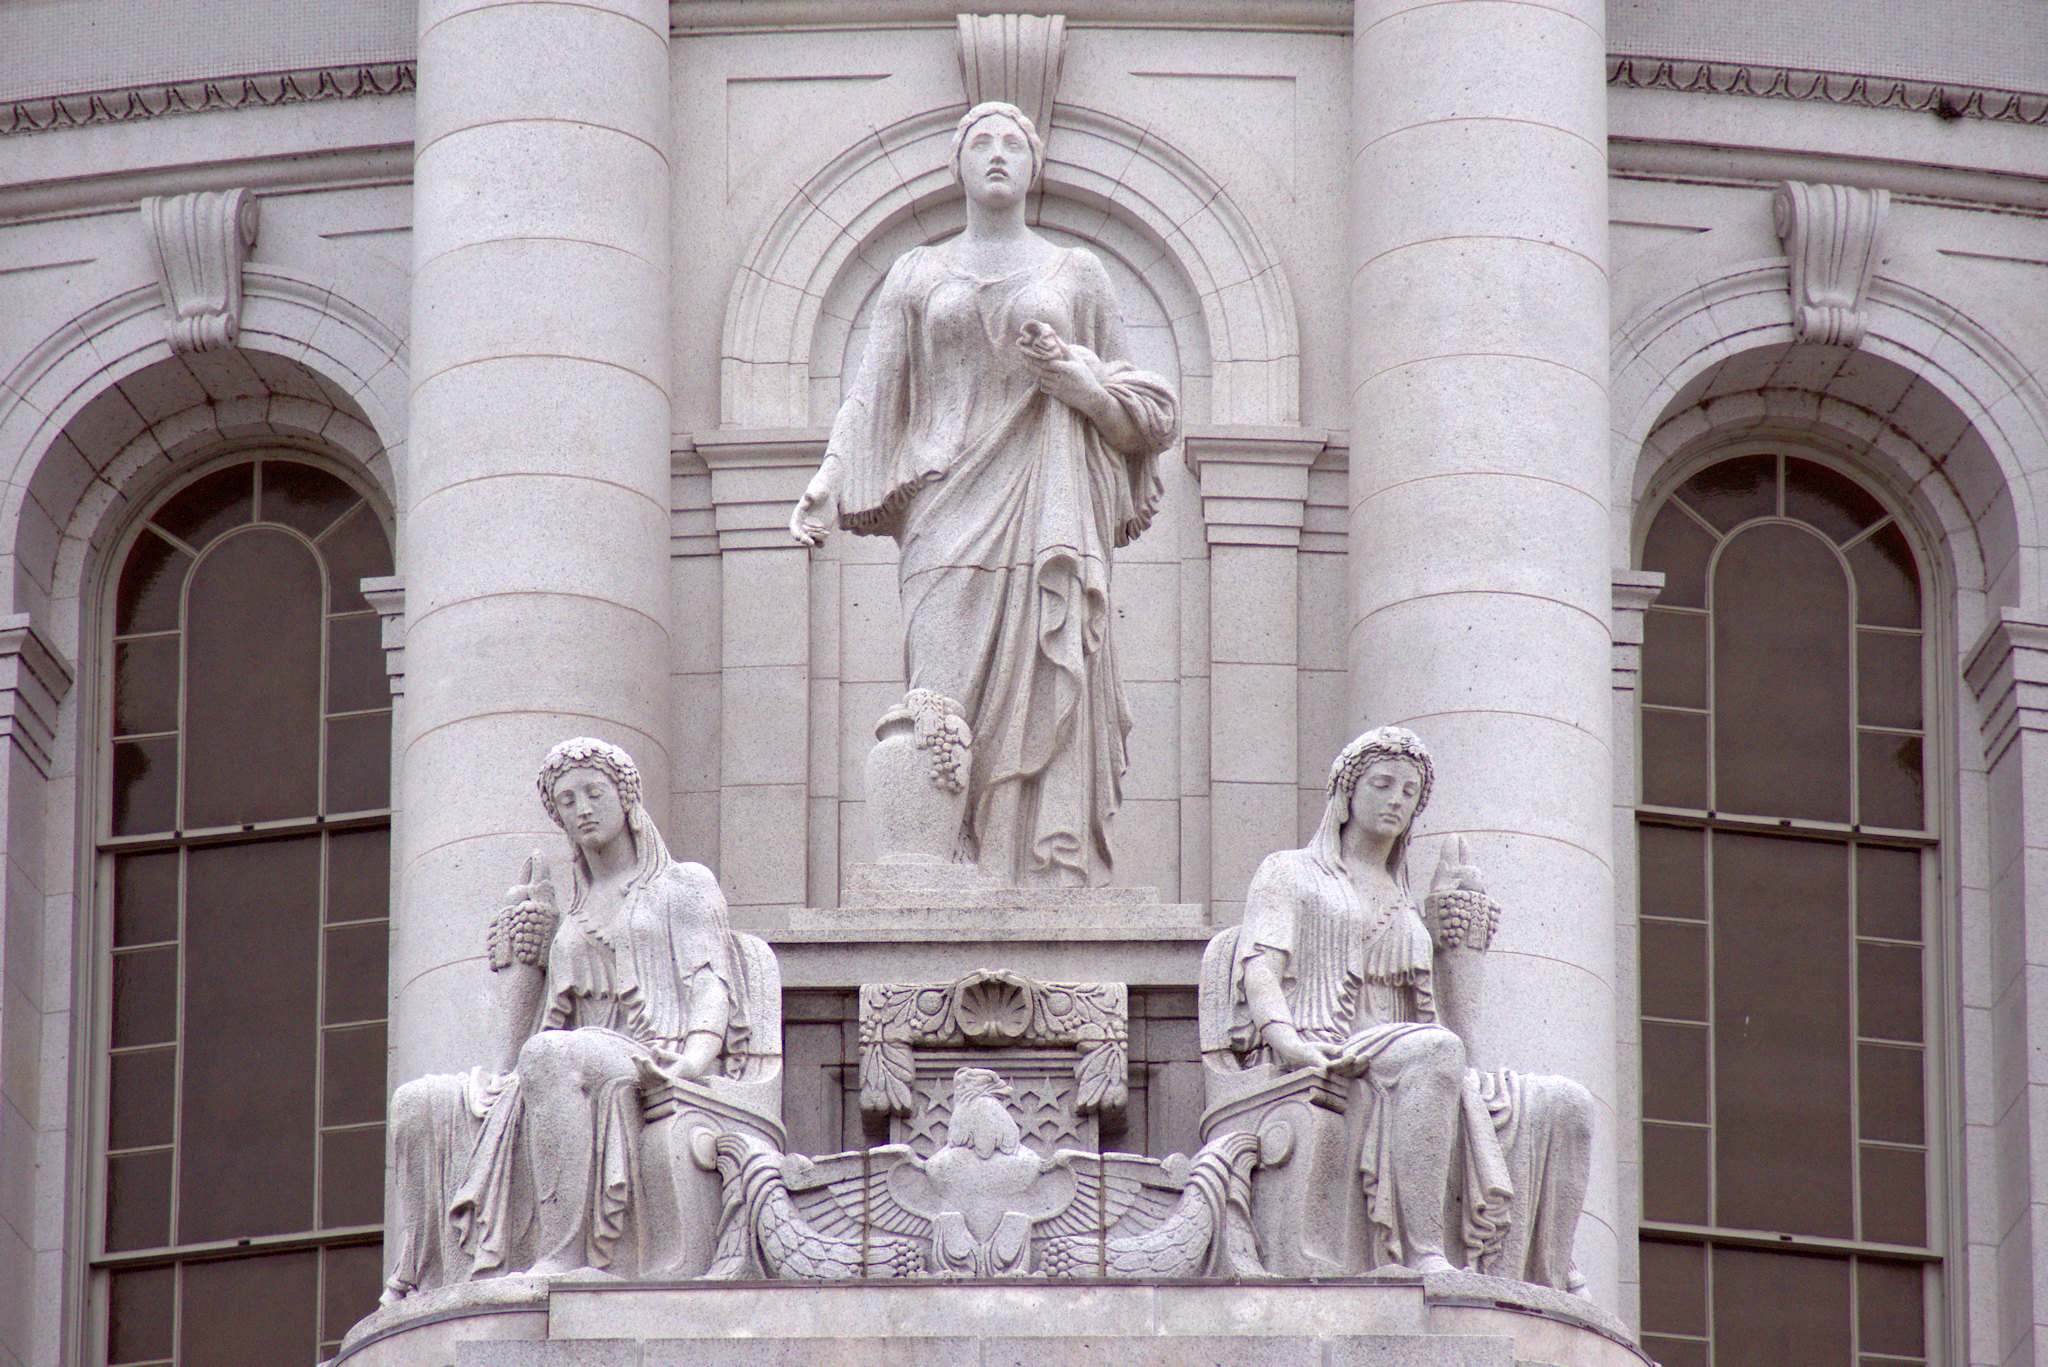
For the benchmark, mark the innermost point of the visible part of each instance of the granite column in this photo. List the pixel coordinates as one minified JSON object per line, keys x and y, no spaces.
{"x":1480,"y":556}
{"x":535,"y":506}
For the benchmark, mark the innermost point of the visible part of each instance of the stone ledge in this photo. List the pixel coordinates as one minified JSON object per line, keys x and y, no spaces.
{"x":1451,"y":1320}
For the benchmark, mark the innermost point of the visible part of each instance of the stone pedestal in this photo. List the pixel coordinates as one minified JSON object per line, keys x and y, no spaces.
{"x":1452,"y":1320}
{"x":1480,"y":537}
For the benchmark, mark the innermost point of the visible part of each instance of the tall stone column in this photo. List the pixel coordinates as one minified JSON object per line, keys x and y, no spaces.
{"x":1480,"y":541}
{"x":535,"y":521}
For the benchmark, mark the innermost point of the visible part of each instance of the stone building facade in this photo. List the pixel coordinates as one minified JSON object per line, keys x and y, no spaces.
{"x":1642,"y":400}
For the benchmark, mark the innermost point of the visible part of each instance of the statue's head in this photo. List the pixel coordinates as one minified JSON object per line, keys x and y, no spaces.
{"x":996,"y":113}
{"x":1387,"y":756}
{"x":587,"y":752}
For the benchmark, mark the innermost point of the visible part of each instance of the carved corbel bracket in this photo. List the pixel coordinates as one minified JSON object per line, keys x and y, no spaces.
{"x":2008,"y":671}
{"x":993,"y":1011}
{"x":387,"y":595}
{"x":200,"y":242}
{"x":33,"y":680}
{"x":1830,"y":234}
{"x":1014,"y":58}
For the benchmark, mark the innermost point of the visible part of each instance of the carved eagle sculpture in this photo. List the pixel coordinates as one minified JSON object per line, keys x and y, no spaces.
{"x":983,"y":1205}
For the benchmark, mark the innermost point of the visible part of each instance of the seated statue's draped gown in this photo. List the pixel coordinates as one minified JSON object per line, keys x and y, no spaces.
{"x":618,"y":1004}
{"x":1007,"y":504}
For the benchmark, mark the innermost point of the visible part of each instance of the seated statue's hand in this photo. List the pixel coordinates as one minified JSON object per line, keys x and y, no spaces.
{"x":1459,"y":913}
{"x":1292,"y":1050}
{"x":523,"y":929}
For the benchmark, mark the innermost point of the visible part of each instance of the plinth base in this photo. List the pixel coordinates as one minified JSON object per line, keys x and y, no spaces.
{"x":1455,"y":1319}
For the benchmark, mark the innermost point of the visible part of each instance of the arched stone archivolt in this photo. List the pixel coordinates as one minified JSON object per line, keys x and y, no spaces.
{"x":1106,"y":180}
{"x":1932,"y":402}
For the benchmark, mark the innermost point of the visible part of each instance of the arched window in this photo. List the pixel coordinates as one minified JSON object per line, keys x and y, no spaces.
{"x":243,"y":864}
{"x":1788,"y":928}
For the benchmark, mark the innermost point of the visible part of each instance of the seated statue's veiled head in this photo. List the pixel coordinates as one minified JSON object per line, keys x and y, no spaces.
{"x":1351,"y":764}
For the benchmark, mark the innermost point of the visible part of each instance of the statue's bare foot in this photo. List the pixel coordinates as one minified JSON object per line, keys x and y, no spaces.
{"x":1433,"y":1262}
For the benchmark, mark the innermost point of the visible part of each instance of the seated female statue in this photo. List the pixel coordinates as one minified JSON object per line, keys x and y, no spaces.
{"x":1335,"y":974}
{"x":638,"y":991}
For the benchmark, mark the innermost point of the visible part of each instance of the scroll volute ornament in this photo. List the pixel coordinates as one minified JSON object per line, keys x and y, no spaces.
{"x":1014,"y":58}
{"x":199,"y":242}
{"x":1830,"y":234}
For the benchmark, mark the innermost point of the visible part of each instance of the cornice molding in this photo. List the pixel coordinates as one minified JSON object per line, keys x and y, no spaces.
{"x":127,"y":104}
{"x":1942,"y":99}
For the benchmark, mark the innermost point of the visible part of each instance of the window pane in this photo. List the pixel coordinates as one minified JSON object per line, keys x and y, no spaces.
{"x":358,"y":875}
{"x":1894,"y":1195}
{"x":1888,"y":892}
{"x":353,"y":1082}
{"x":1671,"y":865}
{"x":1675,"y":1072}
{"x":209,"y":506}
{"x":1891,"y":1089}
{"x":251,"y":1034}
{"x":1734,"y":491}
{"x":1832,"y":502}
{"x":138,"y":1200}
{"x":355,"y":550}
{"x":220,"y":1331}
{"x":1675,"y":659}
{"x":1890,"y":1308}
{"x":139,"y":1315}
{"x":356,"y":960}
{"x":1781,"y":677}
{"x":1674,"y":970}
{"x":140,"y":1091}
{"x":253,"y":682}
{"x":152,"y":581}
{"x":1679,"y":547}
{"x":1887,"y":581}
{"x":1674,"y":1288}
{"x":352,"y":1178}
{"x":1674,"y":759}
{"x":1888,"y":991}
{"x":1675,"y":1352}
{"x":146,"y":898}
{"x":146,"y":685}
{"x":359,"y":763}
{"x":1889,"y":785}
{"x":355,"y":664}
{"x":145,"y":793}
{"x":302,"y":497}
{"x":1781,"y":1034}
{"x":1888,"y":679}
{"x":145,"y":996}
{"x":1776,"y":1309}
{"x":1674,"y":1174}
{"x":355,"y":1278}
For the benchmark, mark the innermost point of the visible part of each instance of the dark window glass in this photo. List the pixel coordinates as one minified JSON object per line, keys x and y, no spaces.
{"x":358,"y":874}
{"x":145,"y":996}
{"x":152,"y":582}
{"x":141,"y":1089}
{"x":139,"y":1315}
{"x":1675,"y":659}
{"x":1781,"y":676}
{"x":1888,"y":892}
{"x":252,"y":932}
{"x":356,"y":549}
{"x":1889,"y":787}
{"x":1892,"y":1082}
{"x":1672,"y":864}
{"x":1776,"y":1309}
{"x":356,"y":959}
{"x":1674,"y":1174}
{"x":355,"y":664}
{"x":146,"y":898}
{"x":1890,"y":1307}
{"x":1731,"y":493}
{"x":355,"y":1278}
{"x":1888,"y":679}
{"x":219,"y":1327}
{"x":1832,"y":503}
{"x":303,"y":498}
{"x":1782,"y":1035}
{"x":1674,"y":960}
{"x":138,"y":1200}
{"x":253,"y":702}
{"x":359,"y":762}
{"x":145,"y":777}
{"x":209,"y":506}
{"x":1675,"y":1072}
{"x":352,"y":1177}
{"x":146,"y":685}
{"x":1674,"y":758}
{"x":1887,"y":583}
{"x":1894,"y":1195}
{"x":354,"y":1077}
{"x":1679,"y":547}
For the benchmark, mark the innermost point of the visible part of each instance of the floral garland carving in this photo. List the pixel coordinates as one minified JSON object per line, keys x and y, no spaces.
{"x":993,"y":1011}
{"x":1829,"y":87}
{"x":124,"y":105}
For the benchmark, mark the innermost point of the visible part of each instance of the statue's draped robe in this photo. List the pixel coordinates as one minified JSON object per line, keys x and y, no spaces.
{"x":632,"y":997}
{"x":1007,"y":504}
{"x":1359,"y":976}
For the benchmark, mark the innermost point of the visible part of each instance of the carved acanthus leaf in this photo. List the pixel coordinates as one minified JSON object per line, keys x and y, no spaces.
{"x":1830,"y":234}
{"x":200,"y":242}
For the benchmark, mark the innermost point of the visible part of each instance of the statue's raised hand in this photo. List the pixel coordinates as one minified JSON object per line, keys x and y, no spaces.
{"x":1454,"y":870}
{"x":523,"y":928}
{"x":1458,"y":910}
{"x":1068,"y":372}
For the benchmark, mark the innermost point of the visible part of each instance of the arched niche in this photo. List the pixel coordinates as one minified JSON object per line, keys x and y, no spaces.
{"x":1126,"y":192}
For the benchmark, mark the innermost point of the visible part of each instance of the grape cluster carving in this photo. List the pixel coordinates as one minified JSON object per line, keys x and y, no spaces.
{"x":1464,"y":917}
{"x":939,"y":729}
{"x":521,"y":933}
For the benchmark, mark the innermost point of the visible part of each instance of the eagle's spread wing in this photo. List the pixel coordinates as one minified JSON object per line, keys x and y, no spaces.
{"x":837,"y":1199}
{"x":1115,"y":1192}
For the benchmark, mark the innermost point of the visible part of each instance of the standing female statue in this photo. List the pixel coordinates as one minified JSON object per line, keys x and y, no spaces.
{"x":1335,"y":975}
{"x":997,"y":432}
{"x":634,"y":1000}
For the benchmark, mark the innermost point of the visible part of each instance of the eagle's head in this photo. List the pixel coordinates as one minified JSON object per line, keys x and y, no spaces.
{"x":980,"y":1120}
